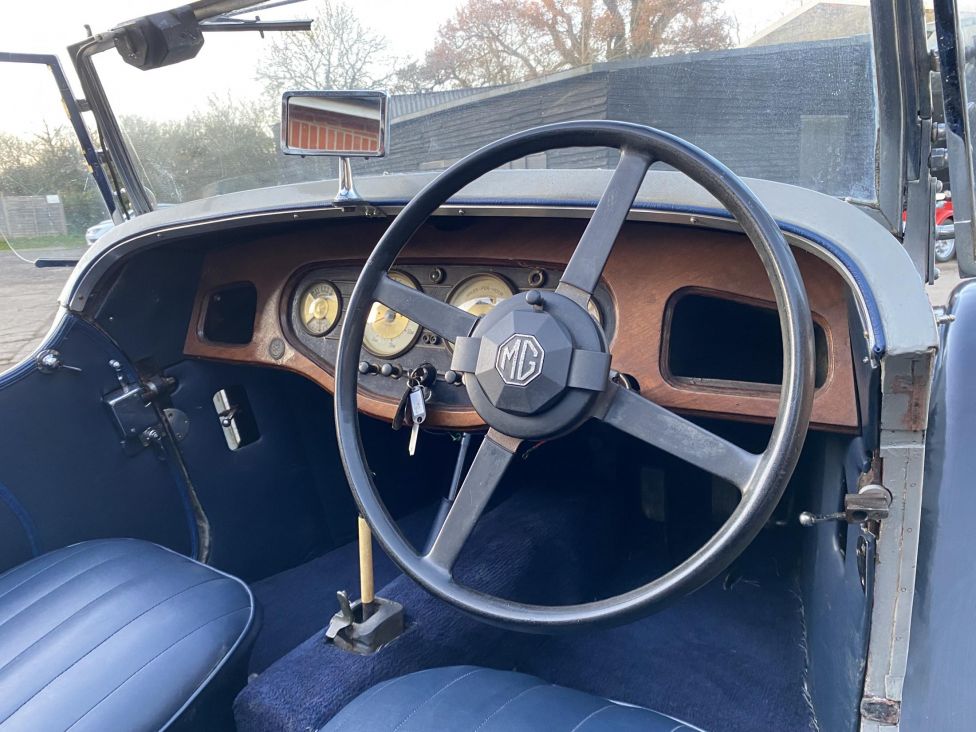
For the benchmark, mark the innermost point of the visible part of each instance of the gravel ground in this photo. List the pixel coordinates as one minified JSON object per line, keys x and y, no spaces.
{"x":948,"y":278}
{"x":28,"y":303}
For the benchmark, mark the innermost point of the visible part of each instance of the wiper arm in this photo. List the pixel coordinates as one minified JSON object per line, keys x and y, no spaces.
{"x":229,"y":20}
{"x":224,"y":24}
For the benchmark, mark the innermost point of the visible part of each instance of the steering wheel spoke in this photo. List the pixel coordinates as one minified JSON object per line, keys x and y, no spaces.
{"x":446,"y":320}
{"x":586,"y":265}
{"x":629,"y":412}
{"x":489,"y":465}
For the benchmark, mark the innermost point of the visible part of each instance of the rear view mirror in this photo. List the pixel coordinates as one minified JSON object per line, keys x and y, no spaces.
{"x":343,"y":123}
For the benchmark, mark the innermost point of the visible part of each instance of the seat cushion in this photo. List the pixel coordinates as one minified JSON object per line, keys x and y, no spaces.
{"x":469,"y":699}
{"x":113,"y":634}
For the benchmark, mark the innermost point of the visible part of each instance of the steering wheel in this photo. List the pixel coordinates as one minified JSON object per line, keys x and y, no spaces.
{"x":537,"y":366}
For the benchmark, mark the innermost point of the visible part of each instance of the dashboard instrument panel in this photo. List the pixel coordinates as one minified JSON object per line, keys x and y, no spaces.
{"x":670,"y":297}
{"x":393,"y":346}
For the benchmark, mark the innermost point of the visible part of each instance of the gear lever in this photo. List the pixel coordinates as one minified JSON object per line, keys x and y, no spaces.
{"x":369,"y":623}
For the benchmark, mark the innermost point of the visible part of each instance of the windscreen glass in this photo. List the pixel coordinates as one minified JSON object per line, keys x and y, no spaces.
{"x":783,"y":91}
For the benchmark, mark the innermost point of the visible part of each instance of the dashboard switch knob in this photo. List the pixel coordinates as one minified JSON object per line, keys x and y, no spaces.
{"x":388,"y":369}
{"x":365,"y":367}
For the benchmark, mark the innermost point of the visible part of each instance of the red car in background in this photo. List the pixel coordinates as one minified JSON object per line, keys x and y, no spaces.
{"x":945,"y":249}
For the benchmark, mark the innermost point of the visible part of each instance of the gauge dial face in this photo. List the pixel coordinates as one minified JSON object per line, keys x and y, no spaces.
{"x":320,"y":306}
{"x":389,"y":334}
{"x":594,"y":310}
{"x":478,"y":295}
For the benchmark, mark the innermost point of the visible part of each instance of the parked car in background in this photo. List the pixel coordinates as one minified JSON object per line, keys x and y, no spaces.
{"x":93,"y":233}
{"x":945,"y":249}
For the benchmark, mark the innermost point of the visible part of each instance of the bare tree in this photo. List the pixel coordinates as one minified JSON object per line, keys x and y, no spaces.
{"x":226,"y":145}
{"x":491,"y":42}
{"x":338,"y":53}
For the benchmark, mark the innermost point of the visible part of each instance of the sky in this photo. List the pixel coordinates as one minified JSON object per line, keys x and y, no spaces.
{"x":227,"y":62}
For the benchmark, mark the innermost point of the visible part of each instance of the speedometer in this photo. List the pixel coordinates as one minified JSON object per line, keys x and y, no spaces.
{"x":389,"y":334}
{"x":320,"y":306}
{"x":479,"y":294}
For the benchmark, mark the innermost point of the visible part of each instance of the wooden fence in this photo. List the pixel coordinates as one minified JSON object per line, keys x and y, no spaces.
{"x":31,"y":216}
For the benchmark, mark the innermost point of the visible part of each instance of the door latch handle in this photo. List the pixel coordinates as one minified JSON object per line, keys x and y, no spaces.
{"x":871,"y":503}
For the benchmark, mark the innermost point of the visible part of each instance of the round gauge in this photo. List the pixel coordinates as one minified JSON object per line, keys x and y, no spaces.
{"x":479,"y":294}
{"x":320,"y":305}
{"x":594,"y":310}
{"x":389,"y":334}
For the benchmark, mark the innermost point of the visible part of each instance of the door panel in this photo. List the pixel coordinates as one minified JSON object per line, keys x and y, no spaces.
{"x":64,"y":474}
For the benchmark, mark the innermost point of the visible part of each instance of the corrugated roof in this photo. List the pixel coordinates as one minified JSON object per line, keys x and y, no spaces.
{"x":402,"y":104}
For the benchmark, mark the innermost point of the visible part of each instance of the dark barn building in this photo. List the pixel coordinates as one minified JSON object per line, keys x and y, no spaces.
{"x":799,"y":113}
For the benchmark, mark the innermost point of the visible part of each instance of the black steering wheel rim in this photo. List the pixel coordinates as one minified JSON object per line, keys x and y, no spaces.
{"x":767,"y":478}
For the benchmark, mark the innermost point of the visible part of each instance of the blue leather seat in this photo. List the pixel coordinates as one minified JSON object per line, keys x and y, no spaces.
{"x":472,"y":699}
{"x":114,"y":634}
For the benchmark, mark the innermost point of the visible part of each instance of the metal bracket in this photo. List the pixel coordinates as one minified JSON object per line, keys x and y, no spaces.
{"x":362,"y":628}
{"x":871,"y":503}
{"x":227,"y":416}
{"x":49,"y":360}
{"x":919,"y":234}
{"x":135,"y":415}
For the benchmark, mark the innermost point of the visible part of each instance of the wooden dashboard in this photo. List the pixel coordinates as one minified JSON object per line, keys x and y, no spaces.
{"x":651,"y":268}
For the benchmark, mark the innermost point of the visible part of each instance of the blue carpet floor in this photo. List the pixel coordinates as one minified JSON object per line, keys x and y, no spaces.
{"x":730,"y":657}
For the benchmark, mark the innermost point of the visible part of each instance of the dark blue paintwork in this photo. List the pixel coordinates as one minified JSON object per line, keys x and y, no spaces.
{"x":942,"y":656}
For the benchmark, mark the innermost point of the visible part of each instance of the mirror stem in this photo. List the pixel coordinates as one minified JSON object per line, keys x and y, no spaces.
{"x":347,"y":195}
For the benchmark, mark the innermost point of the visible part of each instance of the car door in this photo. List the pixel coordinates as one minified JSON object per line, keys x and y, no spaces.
{"x":86,"y":449}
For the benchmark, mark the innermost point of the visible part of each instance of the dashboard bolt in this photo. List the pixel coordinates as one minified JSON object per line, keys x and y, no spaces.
{"x":537,"y":278}
{"x":436,"y":275}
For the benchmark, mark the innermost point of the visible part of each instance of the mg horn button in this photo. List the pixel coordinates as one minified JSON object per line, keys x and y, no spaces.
{"x":523,"y":363}
{"x":520,"y":359}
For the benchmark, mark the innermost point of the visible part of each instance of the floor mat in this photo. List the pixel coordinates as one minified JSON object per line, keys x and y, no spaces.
{"x":729,"y":657}
{"x":723,"y":658}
